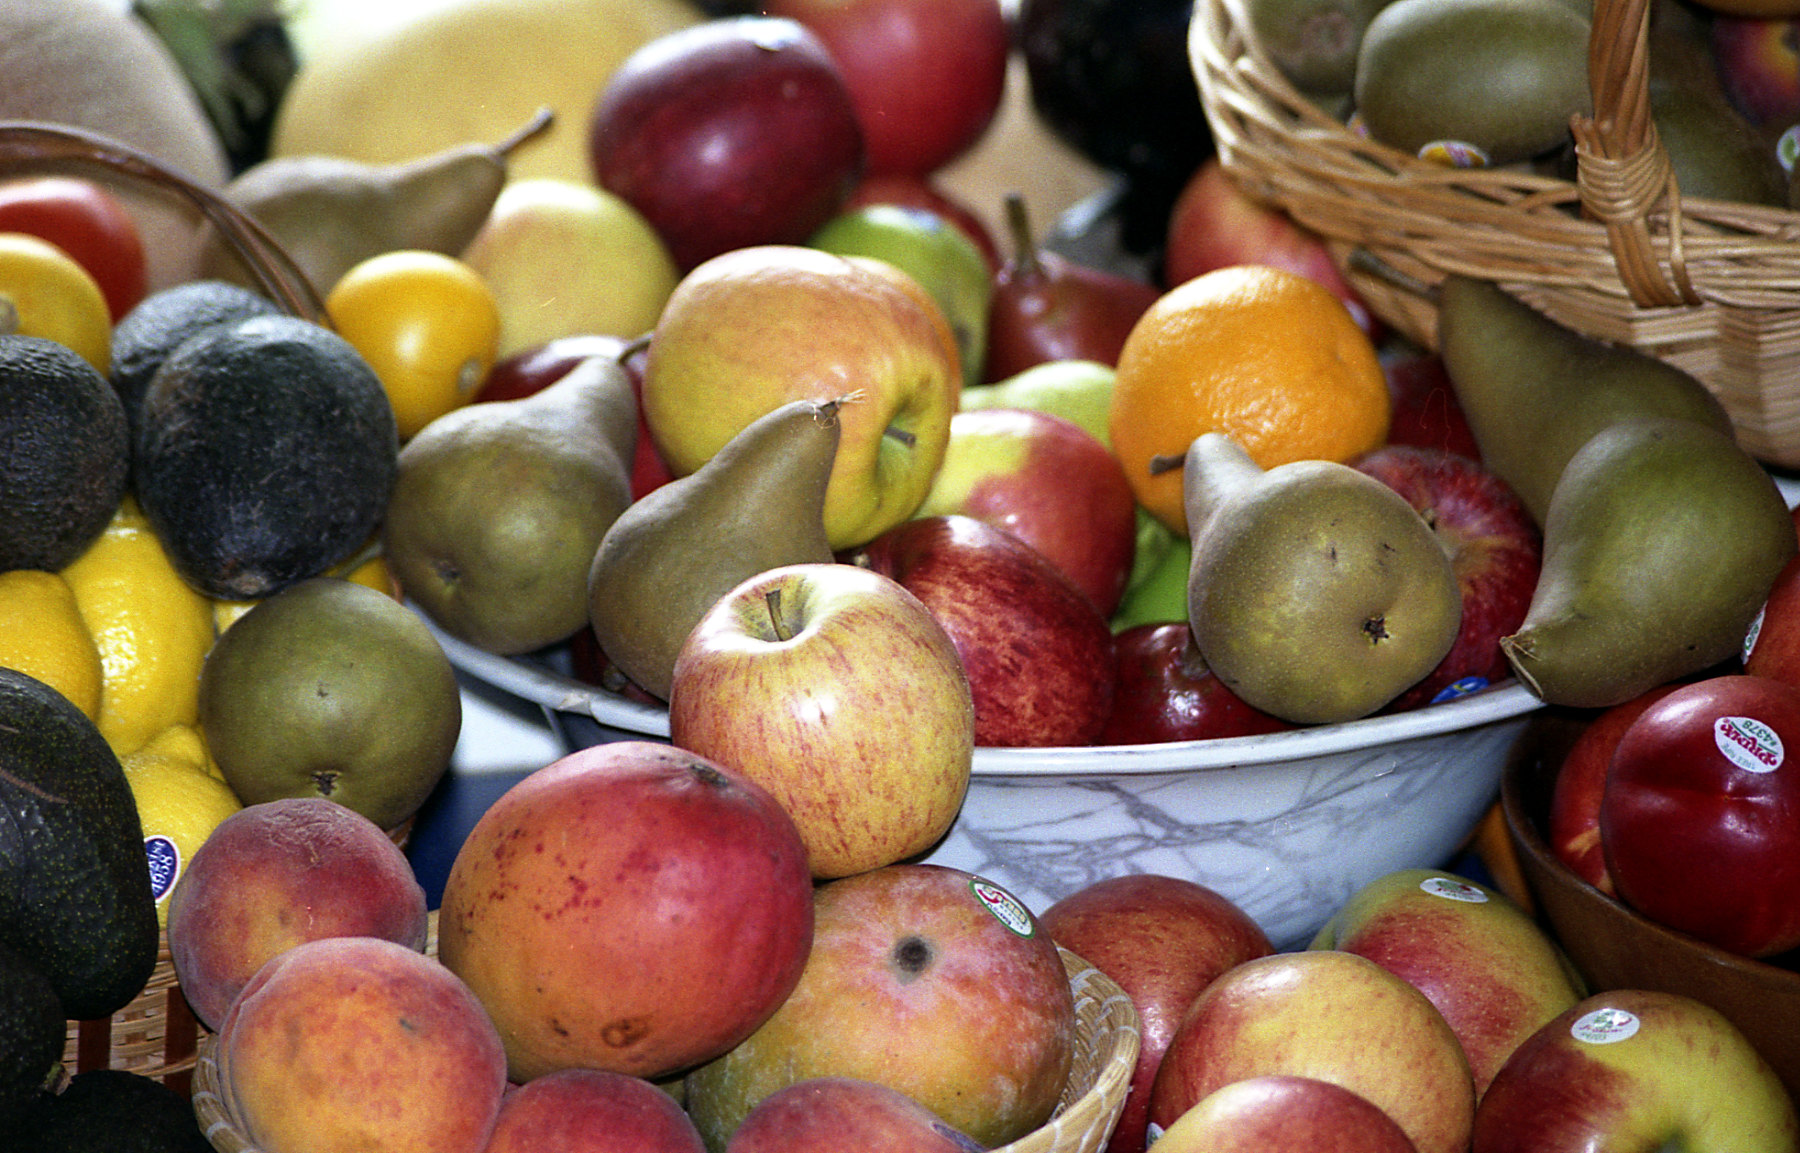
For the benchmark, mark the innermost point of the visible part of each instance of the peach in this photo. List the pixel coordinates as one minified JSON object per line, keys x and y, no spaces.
{"x":592,"y":1111}
{"x":360,"y":1045}
{"x":277,"y":874}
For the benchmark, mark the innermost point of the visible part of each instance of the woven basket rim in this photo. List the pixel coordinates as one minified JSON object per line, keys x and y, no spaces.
{"x":1108,"y":1034}
{"x":1510,"y":226}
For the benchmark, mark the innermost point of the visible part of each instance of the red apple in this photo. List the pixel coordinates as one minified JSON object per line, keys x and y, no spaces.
{"x":731,"y":133}
{"x":1162,"y":939}
{"x":1330,"y":1015}
{"x":592,"y":1111}
{"x":1038,"y":654}
{"x":927,"y":979}
{"x":1165,"y":692}
{"x":1216,"y":224}
{"x":1425,"y":409}
{"x":1282,"y":1112}
{"x":830,"y":1114}
{"x":1773,"y":647}
{"x":1487,"y":966}
{"x":835,"y":689}
{"x":1759,"y":65}
{"x":1636,"y":1071}
{"x":926,"y":76}
{"x":1574,"y":816}
{"x":89,"y":223}
{"x":1049,"y":482}
{"x":531,"y":369}
{"x":1700,"y":821}
{"x":1048,"y":307}
{"x":644,"y":945}
{"x":1495,"y":550}
{"x":920,"y":192}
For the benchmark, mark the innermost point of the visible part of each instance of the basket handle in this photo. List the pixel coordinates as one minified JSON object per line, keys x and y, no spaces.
{"x":1623,"y":171}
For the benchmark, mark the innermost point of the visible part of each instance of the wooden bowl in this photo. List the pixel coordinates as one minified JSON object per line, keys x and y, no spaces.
{"x":1616,"y":948}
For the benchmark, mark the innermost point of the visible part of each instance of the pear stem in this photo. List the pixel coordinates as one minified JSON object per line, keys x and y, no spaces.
{"x":1166,"y":462}
{"x":900,"y":434}
{"x":538,"y":125}
{"x":1025,"y":250}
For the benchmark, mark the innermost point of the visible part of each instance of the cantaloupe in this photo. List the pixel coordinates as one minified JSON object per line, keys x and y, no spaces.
{"x":450,"y":73}
{"x":87,"y":64}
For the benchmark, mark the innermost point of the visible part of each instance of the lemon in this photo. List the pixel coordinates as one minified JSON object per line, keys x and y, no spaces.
{"x":152,"y":628}
{"x":42,"y":635}
{"x":179,"y":804}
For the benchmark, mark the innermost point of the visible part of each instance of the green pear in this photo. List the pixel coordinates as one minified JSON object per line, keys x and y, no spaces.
{"x":499,"y":508}
{"x":1661,"y":544}
{"x":1534,"y":391}
{"x":758,"y":504}
{"x":1074,"y":389}
{"x":933,"y":252}
{"x":1316,"y":593}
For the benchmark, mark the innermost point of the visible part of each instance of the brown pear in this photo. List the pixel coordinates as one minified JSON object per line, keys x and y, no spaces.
{"x":1316,"y":592}
{"x":499,"y":508}
{"x":330,"y":213}
{"x":758,"y":504}
{"x":1661,"y":544}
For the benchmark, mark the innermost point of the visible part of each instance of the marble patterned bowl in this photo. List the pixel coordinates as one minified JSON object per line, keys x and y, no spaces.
{"x":1285,"y":824}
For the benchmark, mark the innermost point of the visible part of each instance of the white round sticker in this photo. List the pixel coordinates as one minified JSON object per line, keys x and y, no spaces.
{"x":1005,"y":907}
{"x":1604,"y":1026}
{"x":1454,"y":890}
{"x":1748,"y":743}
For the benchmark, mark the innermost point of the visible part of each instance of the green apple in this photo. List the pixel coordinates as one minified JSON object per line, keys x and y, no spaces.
{"x":1161,"y":594}
{"x":1636,"y":1071}
{"x":933,"y":252}
{"x":1490,"y":969}
{"x":565,"y":258}
{"x":754,"y":328}
{"x":1077,"y":390}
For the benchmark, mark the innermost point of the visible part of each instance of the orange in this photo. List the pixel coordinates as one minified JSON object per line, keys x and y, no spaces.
{"x":1268,"y":357}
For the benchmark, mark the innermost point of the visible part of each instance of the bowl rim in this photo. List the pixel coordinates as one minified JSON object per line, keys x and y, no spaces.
{"x":539,"y":684}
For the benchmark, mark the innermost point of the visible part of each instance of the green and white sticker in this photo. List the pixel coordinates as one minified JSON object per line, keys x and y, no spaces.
{"x":1605,"y":1026}
{"x":1006,"y":908}
{"x":1452,"y":889}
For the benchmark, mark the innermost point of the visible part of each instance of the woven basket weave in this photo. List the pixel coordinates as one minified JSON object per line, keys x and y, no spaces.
{"x":1106,"y":1050}
{"x":1618,"y":253}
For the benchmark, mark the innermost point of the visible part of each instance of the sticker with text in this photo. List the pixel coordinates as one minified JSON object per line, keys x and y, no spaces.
{"x":1006,"y":908}
{"x":1748,"y":743}
{"x":1455,"y":153}
{"x":1605,"y":1026}
{"x":1452,"y":889}
{"x":165,"y":864}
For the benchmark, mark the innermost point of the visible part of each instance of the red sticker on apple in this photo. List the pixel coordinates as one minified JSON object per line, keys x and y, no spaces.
{"x":1006,"y":908}
{"x":1605,"y":1027}
{"x":1748,"y":743}
{"x":1452,"y":889}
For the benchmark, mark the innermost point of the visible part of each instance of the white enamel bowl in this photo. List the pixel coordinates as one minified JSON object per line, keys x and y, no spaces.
{"x":1286,"y":824}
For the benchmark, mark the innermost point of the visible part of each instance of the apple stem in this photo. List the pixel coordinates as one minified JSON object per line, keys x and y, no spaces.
{"x":1018,"y":222}
{"x":772,"y":598}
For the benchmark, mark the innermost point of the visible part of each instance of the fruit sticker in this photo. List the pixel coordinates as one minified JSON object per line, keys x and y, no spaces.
{"x":1748,"y":743}
{"x":1452,"y":889}
{"x":1005,"y":907}
{"x":165,"y":864}
{"x":1455,"y":153}
{"x":1605,"y":1027}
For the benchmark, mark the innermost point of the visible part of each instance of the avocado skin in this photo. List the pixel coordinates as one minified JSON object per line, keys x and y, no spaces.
{"x":157,"y":326}
{"x":64,"y":453}
{"x":75,"y":895}
{"x":266,"y":454}
{"x":109,"y":1111}
{"x":32,"y":1030}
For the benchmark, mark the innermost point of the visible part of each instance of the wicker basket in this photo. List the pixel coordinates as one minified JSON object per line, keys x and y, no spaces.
{"x":156,"y":1034}
{"x":1618,"y":254}
{"x":1106,"y":1051}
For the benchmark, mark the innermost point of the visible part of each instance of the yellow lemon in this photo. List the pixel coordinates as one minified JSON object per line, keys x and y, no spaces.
{"x":179,"y":805}
{"x":44,"y":292}
{"x":152,"y":628}
{"x":42,"y":635}
{"x":183,"y":743}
